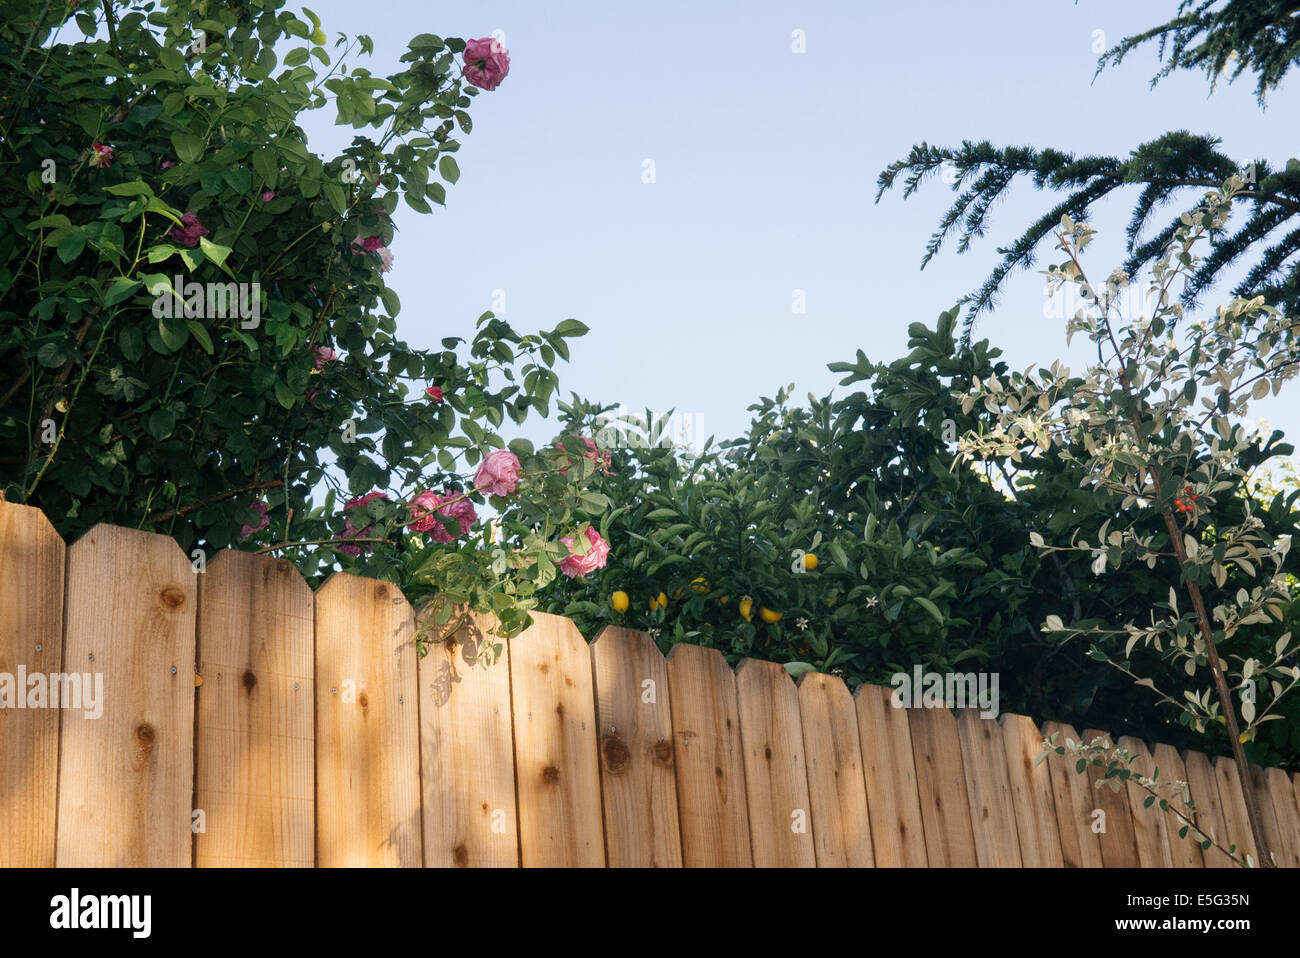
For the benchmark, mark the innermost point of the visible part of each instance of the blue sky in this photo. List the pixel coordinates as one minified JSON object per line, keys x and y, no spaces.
{"x":765,"y":169}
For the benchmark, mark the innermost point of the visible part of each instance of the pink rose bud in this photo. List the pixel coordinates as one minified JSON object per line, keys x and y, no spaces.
{"x":324,"y":355}
{"x":189,"y":232}
{"x":268,"y":195}
{"x":101,"y":156}
{"x":498,"y":473}
{"x":434,"y":393}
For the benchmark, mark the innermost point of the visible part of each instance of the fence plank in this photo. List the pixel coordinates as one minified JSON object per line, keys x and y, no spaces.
{"x":467,"y":752}
{"x":1234,"y":807}
{"x":1074,"y":800}
{"x":833,"y":759}
{"x":709,"y":759}
{"x":1287,"y":815}
{"x":1184,"y":852}
{"x":776,"y":784}
{"x":367,"y":726}
{"x":32,"y":560}
{"x":1031,"y":794}
{"x":1209,"y":809}
{"x":634,"y":719}
{"x":254,"y":768}
{"x":1150,"y":827}
{"x":560,"y":822}
{"x":988,"y":790}
{"x":1118,"y":841}
{"x":127,"y":779}
{"x":893,"y":801}
{"x":1276,"y":831}
{"x":940,"y":780}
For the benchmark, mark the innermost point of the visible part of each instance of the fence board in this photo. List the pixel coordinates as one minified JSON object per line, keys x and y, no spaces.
{"x":1278,"y":787}
{"x":1209,"y":809}
{"x":1031,"y":794}
{"x":254,"y":768}
{"x":558,"y":775}
{"x":833,"y":759}
{"x":1184,"y":852}
{"x":367,"y":726}
{"x":127,"y":778}
{"x":776,"y":784}
{"x":635,"y":727}
{"x":1276,"y":830}
{"x":893,"y":801}
{"x":940,"y":780}
{"x":1234,"y":807}
{"x":988,"y":790}
{"x":32,"y":560}
{"x":1074,"y":801}
{"x":709,"y":759}
{"x":467,"y":752}
{"x":1118,"y":841}
{"x":1150,"y":825}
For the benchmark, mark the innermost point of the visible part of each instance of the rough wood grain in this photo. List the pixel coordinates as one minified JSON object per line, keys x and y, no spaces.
{"x":888,"y":767}
{"x":126,"y":779}
{"x":255,"y":743}
{"x":1277,"y":785}
{"x":367,"y":726}
{"x":634,"y":721}
{"x":1209,"y":810}
{"x":776,"y":784}
{"x":941,"y":782}
{"x":1031,"y":794}
{"x":556,"y":767}
{"x":1118,"y":841}
{"x":32,"y":560}
{"x":1184,"y":852}
{"x":1277,"y":830}
{"x":1233,"y":802}
{"x":988,"y":790}
{"x":467,"y":752}
{"x":1150,"y":827}
{"x":707,"y":754}
{"x":1074,"y":800}
{"x":833,"y":759}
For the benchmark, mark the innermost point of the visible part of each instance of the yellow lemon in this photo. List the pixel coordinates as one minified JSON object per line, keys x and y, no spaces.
{"x":663,"y":600}
{"x":745,"y":605}
{"x":654,"y":603}
{"x":724,"y":599}
{"x":810,"y":562}
{"x":767,"y":615}
{"x":619,"y":601}
{"x":700,"y":585}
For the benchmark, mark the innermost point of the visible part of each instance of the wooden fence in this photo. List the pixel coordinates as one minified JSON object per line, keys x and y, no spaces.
{"x":249,"y":722}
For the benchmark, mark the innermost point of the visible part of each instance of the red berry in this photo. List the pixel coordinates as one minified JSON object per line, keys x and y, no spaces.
{"x":1189,"y":488}
{"x":1178,"y":503}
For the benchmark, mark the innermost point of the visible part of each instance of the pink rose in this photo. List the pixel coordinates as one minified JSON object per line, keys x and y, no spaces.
{"x":324,"y":355}
{"x":248,"y":530}
{"x":370,"y":243}
{"x":352,"y":532}
{"x":188,"y":233}
{"x":434,"y":393}
{"x":486,"y":62}
{"x":385,"y":259}
{"x":428,"y":505}
{"x":166,"y":165}
{"x":593,"y":453}
{"x":101,"y":156}
{"x":268,"y":195}
{"x":498,"y":473}
{"x":596,"y":557}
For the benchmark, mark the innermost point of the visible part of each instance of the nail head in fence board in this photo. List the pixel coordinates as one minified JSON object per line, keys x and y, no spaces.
{"x":709,"y":757}
{"x":1118,"y":841}
{"x":560,"y":822}
{"x":1287,"y":812}
{"x":1072,"y":795}
{"x":126,"y":780}
{"x":1234,"y":808}
{"x":255,"y":748}
{"x":1031,"y":794}
{"x":941,"y":782}
{"x":1184,"y":852}
{"x":367,"y":732}
{"x":833,"y":760}
{"x":31,"y":636}
{"x":1209,"y":809}
{"x":1149,"y":824}
{"x":893,"y":802}
{"x":1273,"y":833}
{"x":467,"y":753}
{"x":637,"y":779}
{"x":776,"y":785}
{"x":988,"y":789}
